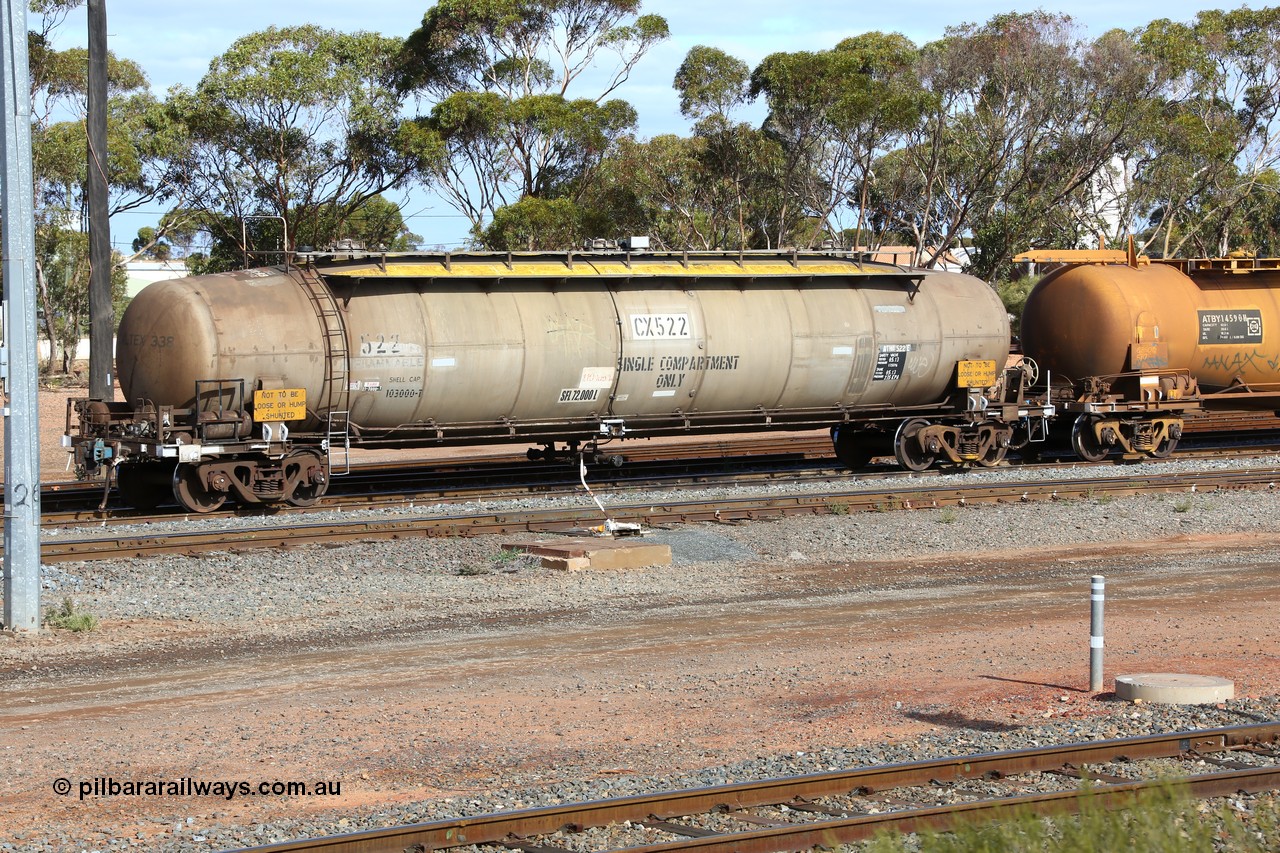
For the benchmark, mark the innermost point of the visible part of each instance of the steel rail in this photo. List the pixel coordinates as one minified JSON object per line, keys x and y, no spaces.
{"x":797,"y":446}
{"x":720,"y":447}
{"x":653,"y":514}
{"x":373,"y":484}
{"x":380,"y":490}
{"x":506,"y":828}
{"x":452,"y":485}
{"x":826,"y":833}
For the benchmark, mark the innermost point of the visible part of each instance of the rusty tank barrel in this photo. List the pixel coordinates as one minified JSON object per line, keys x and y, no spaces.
{"x":546,"y":339}
{"x":251,"y":324}
{"x":1221,"y":322}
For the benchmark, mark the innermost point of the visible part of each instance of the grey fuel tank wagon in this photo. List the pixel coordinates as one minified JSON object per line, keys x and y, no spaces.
{"x":238,"y":385}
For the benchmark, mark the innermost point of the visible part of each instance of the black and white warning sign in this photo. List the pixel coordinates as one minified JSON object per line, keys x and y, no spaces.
{"x":579,"y":395}
{"x":1241,"y":326}
{"x":890,"y":361}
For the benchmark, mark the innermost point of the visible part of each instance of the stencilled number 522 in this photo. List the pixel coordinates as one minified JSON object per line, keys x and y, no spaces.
{"x":379,"y":345}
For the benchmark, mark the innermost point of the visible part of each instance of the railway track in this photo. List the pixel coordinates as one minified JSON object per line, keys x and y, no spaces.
{"x":722,"y":462}
{"x":381,"y":485}
{"x":76,"y":499}
{"x":440,"y":522}
{"x":826,"y":809}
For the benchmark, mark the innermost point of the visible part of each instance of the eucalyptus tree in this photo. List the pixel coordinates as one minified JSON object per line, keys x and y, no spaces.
{"x":63,"y":282}
{"x":297,"y":129}
{"x":660,"y":187}
{"x":1215,"y":146}
{"x":888,"y":102}
{"x":716,"y":188}
{"x":733,"y":184}
{"x":378,"y":223}
{"x":1071,"y":185}
{"x":808,"y":94}
{"x":142,"y":148}
{"x":687,"y":191}
{"x":535,"y":224}
{"x":1253,"y":223}
{"x":712,"y":83}
{"x":834,"y":113}
{"x":497,"y":76}
{"x":1024,"y":119}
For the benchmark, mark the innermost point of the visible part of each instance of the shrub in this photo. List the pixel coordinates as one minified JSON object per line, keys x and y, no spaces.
{"x":70,"y":618}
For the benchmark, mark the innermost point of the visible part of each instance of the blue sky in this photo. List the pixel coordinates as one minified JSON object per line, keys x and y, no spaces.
{"x":175,"y":42}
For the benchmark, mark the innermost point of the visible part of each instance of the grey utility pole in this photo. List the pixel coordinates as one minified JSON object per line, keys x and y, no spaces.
{"x":101,"y":313}
{"x":21,"y":433}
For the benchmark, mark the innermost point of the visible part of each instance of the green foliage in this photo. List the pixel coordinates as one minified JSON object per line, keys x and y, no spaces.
{"x":375,"y":223}
{"x":69,"y":617}
{"x":149,"y":244}
{"x":835,"y":116}
{"x":1254,"y":224}
{"x":140,"y":153}
{"x":717,"y":189}
{"x":711,"y":82}
{"x":1014,"y":133}
{"x":1013,"y":293}
{"x":535,"y":224}
{"x":1202,"y":161}
{"x":144,"y":150}
{"x":499,"y":73}
{"x":511,"y":560}
{"x":302,"y":124}
{"x":506,"y":561}
{"x":1162,"y":822}
{"x":1028,"y":117}
{"x":206,"y":241}
{"x":833,"y":112}
{"x":518,"y":47}
{"x":62,"y":279}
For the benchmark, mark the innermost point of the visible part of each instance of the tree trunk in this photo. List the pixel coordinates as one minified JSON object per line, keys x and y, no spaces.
{"x":42,"y":289}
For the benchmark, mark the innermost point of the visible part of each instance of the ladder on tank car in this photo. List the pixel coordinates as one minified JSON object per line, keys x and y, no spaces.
{"x":333,"y":392}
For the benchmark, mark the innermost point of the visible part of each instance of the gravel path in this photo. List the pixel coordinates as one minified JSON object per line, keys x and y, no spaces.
{"x":244,"y":589}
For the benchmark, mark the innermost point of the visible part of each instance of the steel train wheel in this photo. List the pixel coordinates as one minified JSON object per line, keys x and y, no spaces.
{"x":908,"y":450}
{"x":190,"y":491}
{"x":994,"y":456}
{"x":1165,"y":448}
{"x":1084,"y":442}
{"x":300,"y":488}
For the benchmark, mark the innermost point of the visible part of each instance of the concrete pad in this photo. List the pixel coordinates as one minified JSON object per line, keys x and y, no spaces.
{"x":575,"y":554}
{"x":1173,"y":688}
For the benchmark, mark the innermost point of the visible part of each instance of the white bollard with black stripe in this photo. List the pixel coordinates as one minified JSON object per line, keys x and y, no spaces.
{"x":1097,"y":598}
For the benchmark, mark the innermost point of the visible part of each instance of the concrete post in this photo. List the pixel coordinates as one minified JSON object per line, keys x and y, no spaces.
{"x":21,"y":432}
